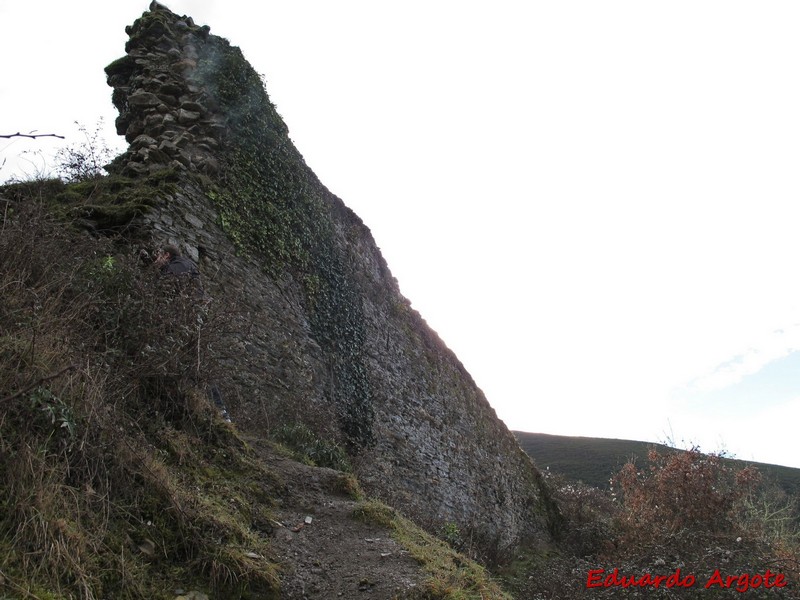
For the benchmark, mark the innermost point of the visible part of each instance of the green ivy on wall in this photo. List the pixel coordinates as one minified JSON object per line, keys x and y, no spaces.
{"x":272,"y":206}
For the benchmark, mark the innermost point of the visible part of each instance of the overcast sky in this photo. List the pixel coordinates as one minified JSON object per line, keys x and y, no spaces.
{"x":595,"y":204}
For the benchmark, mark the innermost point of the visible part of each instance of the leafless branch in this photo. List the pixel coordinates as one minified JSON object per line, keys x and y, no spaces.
{"x":39,"y":382}
{"x":33,"y":136}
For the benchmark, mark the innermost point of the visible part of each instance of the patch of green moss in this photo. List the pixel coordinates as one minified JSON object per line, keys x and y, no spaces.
{"x":122,"y":66}
{"x":309,"y":448}
{"x":112,"y":203}
{"x":377,"y":513}
{"x":347,"y":485}
{"x":451,"y":576}
{"x":32,"y":191}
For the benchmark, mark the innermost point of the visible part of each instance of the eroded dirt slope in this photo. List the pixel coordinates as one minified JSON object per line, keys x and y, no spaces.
{"x":326,"y":551}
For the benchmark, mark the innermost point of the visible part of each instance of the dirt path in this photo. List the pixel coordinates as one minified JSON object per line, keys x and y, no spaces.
{"x":326,"y":552}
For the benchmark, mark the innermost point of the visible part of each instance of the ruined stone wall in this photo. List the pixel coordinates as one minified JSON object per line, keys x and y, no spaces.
{"x":320,"y":333}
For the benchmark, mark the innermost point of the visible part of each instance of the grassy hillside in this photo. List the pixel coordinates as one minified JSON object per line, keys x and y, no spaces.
{"x":594,"y":460}
{"x":120,"y":479}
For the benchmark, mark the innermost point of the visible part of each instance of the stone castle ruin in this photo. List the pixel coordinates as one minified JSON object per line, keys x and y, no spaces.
{"x":322,"y":336}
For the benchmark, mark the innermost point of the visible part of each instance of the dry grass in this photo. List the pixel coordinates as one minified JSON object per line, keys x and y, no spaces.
{"x":450,"y":575}
{"x":118,"y":473}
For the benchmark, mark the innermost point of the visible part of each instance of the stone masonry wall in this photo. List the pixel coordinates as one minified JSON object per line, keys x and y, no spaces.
{"x":438,"y":452}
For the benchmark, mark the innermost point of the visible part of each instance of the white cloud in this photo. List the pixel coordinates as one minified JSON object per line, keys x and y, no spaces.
{"x":765,"y":350}
{"x":762,"y":435}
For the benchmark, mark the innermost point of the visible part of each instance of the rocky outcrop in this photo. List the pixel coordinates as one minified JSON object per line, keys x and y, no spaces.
{"x":318,"y":332}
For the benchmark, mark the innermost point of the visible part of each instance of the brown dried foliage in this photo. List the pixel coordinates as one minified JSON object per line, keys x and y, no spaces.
{"x":685,"y":490}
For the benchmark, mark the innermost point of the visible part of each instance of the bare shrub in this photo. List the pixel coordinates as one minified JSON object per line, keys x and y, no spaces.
{"x":699,"y":510}
{"x":587,"y":512}
{"x":679,"y":491}
{"x":86,"y":160}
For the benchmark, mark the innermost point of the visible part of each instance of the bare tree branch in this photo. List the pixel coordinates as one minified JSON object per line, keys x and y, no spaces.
{"x":37,"y":383}
{"x":30,"y":135}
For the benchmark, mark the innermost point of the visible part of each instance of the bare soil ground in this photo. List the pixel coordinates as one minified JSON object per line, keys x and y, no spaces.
{"x":335,"y":555}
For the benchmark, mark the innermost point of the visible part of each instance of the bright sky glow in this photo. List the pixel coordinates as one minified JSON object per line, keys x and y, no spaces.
{"x":593,"y":203}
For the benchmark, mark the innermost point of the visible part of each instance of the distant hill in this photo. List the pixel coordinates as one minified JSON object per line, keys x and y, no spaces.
{"x":594,"y":460}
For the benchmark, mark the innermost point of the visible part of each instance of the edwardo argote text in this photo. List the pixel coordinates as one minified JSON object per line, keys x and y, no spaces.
{"x":742,"y":582}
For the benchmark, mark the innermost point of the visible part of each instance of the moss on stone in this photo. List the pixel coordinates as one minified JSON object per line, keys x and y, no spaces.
{"x":113,"y":202}
{"x":450,"y":576}
{"x":272,"y":206}
{"x":122,"y":66}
